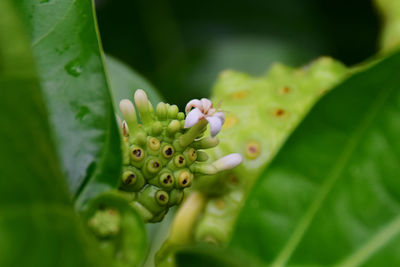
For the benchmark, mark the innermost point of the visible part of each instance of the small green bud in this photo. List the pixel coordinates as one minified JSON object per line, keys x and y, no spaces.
{"x":166,"y":180}
{"x":156,"y":128}
{"x":190,"y":154}
{"x":202,"y":156}
{"x":131,"y":179}
{"x":129,"y":113}
{"x":179,"y":161}
{"x":142,"y":104}
{"x":167,"y":151}
{"x":162,"y":197}
{"x":153,"y":143}
{"x":205,"y":143}
{"x":137,"y":154}
{"x":139,"y":138}
{"x":173,"y":111}
{"x":173,"y":127}
{"x":161,"y":111}
{"x":180,"y":116}
{"x":153,"y":165}
{"x":184,"y":178}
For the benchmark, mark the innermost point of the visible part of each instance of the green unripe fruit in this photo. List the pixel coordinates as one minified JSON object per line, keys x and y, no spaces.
{"x":168,"y":151}
{"x":179,"y":161}
{"x":190,"y":154}
{"x":153,"y":143}
{"x":162,"y":197}
{"x":184,"y":178}
{"x":148,"y":199}
{"x":131,"y":179}
{"x":153,"y":165}
{"x":166,"y":180}
{"x":136,"y":153}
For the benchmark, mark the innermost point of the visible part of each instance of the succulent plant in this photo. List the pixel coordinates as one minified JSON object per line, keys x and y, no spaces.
{"x":163,"y":151}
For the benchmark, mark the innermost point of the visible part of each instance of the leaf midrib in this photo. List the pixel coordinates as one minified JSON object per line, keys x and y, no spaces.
{"x":331,"y":179}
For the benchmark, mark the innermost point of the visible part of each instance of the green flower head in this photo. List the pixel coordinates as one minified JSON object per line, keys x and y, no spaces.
{"x":163,"y":151}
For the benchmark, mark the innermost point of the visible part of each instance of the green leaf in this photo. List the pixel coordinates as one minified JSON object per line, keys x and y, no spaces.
{"x":332,"y":194}
{"x":210,"y":256}
{"x":124,"y":81}
{"x":69,"y":60}
{"x":38,"y":226}
{"x":260,"y":114}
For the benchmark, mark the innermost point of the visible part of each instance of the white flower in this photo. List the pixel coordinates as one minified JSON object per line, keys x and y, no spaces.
{"x":228,"y":162}
{"x":203,"y":109}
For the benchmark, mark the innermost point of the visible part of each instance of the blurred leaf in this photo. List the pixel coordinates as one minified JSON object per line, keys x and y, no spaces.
{"x":130,"y":245}
{"x":331,"y":196}
{"x":181,"y":52}
{"x":210,"y":256}
{"x":69,"y":61}
{"x":38,"y":226}
{"x":252,"y":55}
{"x":390,"y":34}
{"x":260,"y":114}
{"x":124,"y":81}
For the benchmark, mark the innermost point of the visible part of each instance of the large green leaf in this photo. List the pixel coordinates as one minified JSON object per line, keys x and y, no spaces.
{"x":69,"y":60}
{"x":38,"y":226}
{"x":332,"y":194}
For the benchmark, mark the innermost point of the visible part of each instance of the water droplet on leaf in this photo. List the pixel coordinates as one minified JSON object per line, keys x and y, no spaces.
{"x":74,"y":67}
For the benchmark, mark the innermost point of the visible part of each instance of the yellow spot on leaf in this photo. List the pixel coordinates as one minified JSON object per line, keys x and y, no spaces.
{"x":252,"y":150}
{"x":220,"y":204}
{"x":239,"y":95}
{"x":230,"y":121}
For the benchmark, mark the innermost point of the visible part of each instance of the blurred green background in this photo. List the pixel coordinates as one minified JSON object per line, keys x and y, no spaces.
{"x":181,"y":46}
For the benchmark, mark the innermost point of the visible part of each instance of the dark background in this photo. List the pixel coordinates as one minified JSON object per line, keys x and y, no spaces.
{"x":181,"y":46}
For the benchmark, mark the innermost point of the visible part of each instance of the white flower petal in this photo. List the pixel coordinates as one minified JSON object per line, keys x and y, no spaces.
{"x":215,"y":125}
{"x":207,"y":104}
{"x":193,"y":117}
{"x":221,"y":116}
{"x":228,"y":162}
{"x":194,"y":103}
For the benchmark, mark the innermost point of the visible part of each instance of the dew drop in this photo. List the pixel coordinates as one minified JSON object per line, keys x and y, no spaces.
{"x":74,"y":68}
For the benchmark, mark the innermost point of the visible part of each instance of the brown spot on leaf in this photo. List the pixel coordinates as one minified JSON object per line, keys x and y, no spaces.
{"x":279,"y":112}
{"x":285,"y":90}
{"x":239,"y":95}
{"x":220,"y":204}
{"x":253,"y":149}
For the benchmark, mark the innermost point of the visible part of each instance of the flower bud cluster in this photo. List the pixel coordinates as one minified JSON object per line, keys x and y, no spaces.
{"x":162,"y":155}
